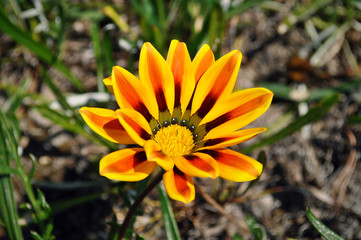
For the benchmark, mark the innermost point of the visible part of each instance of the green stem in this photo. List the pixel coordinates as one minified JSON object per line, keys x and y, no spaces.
{"x":29,"y":191}
{"x":136,"y":204}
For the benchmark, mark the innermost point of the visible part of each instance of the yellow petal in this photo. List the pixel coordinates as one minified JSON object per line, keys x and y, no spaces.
{"x":154,"y":154}
{"x":179,"y":186}
{"x":218,"y":81}
{"x":234,"y":101}
{"x":156,"y":74}
{"x":181,"y":67}
{"x":239,"y":110}
{"x":129,"y":164}
{"x":197,"y":165}
{"x":108,"y":83}
{"x":232,"y":138}
{"x":235,"y":166}
{"x":135,"y":124}
{"x":132,"y":93}
{"x":202,"y":61}
{"x":105,"y":122}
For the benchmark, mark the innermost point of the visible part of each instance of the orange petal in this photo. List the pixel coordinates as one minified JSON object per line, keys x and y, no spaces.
{"x":216,"y":83}
{"x":129,"y":164}
{"x":135,"y":124}
{"x":240,"y":109}
{"x":154,"y":154}
{"x":232,"y":138}
{"x":179,"y":186}
{"x":197,"y":165}
{"x":181,"y":67}
{"x":108,"y":83}
{"x":202,"y":61}
{"x":155,"y":72}
{"x":105,"y":122}
{"x":132,"y":93}
{"x":235,"y":166}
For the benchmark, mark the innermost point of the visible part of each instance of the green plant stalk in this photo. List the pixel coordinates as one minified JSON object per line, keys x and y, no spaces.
{"x":170,"y":224}
{"x":7,"y":201}
{"x":8,"y":208}
{"x":94,"y":34}
{"x":136,"y":204}
{"x":27,"y":185}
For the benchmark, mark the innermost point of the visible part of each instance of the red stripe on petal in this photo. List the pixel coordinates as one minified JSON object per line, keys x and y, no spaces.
{"x":207,"y":105}
{"x":235,"y":166}
{"x":129,"y":91}
{"x":137,"y":128}
{"x":216,"y":83}
{"x":135,"y":124}
{"x":155,"y":72}
{"x":179,"y":186}
{"x":105,"y":122}
{"x":126,"y":165}
{"x":239,"y":111}
{"x":197,"y":165}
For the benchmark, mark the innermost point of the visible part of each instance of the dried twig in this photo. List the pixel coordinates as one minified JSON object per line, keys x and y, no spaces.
{"x":240,"y":223}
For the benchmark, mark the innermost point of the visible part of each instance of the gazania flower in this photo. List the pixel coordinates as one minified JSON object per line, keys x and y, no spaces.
{"x":182,"y":114}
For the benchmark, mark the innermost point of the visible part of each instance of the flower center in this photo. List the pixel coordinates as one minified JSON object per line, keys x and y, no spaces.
{"x":175,"y":140}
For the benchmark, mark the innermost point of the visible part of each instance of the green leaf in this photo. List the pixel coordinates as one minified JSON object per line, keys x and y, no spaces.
{"x":313,"y":115}
{"x":237,"y":237}
{"x":170,"y":224}
{"x":257,"y":230}
{"x":327,"y":233}
{"x":354,"y":119}
{"x":33,"y":167}
{"x":43,"y":204}
{"x":138,"y":237}
{"x":7,"y":170}
{"x":36,"y":235}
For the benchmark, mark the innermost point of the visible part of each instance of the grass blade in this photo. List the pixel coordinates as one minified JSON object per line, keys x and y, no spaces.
{"x":94,"y":34}
{"x":16,"y":97}
{"x":38,"y":48}
{"x":302,"y":13}
{"x":242,"y":7}
{"x":7,"y":202}
{"x":313,"y":114}
{"x":283,"y":92}
{"x":170,"y":224}
{"x":327,"y":233}
{"x":330,"y":47}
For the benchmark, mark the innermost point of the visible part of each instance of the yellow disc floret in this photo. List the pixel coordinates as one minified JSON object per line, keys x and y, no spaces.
{"x":175,"y":140}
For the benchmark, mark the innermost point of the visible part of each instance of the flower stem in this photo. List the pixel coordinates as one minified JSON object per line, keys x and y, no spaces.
{"x":136,"y":204}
